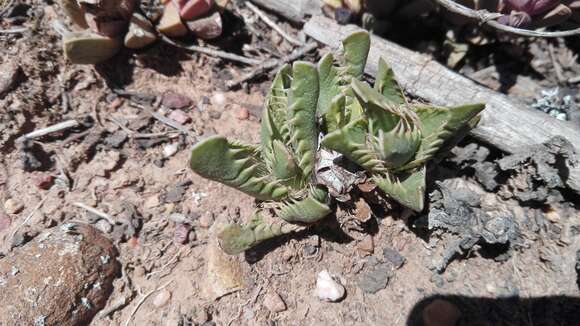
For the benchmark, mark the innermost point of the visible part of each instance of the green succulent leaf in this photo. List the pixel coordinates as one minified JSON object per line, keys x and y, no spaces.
{"x":283,"y":165}
{"x":382,"y":114}
{"x":440,"y":125}
{"x":351,"y":141}
{"x":398,"y":146}
{"x":236,"y":165}
{"x":274,"y":117}
{"x":336,"y":117}
{"x":386,"y":84}
{"x":335,"y":80}
{"x":235,"y":238}
{"x":356,"y":51}
{"x":310,"y":209}
{"x":302,"y":115}
{"x":407,"y":189}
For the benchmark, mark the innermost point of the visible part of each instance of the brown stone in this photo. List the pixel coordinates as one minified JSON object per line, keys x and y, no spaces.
{"x":63,"y":277}
{"x":242,"y":113}
{"x":366,"y":244}
{"x":274,"y":303}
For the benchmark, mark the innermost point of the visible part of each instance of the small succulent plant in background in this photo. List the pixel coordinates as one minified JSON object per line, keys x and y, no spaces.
{"x":376,"y":128}
{"x":527,"y":14}
{"x":538,"y":13}
{"x":103,"y":27}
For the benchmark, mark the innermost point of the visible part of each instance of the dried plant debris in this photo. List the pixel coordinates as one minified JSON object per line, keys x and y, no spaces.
{"x":538,"y":173}
{"x":312,"y":113}
{"x":535,"y":175}
{"x":475,"y":216}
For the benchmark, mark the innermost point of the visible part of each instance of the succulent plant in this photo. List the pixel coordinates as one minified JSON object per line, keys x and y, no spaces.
{"x":280,"y":169}
{"x":376,"y":128}
{"x":380,"y":131}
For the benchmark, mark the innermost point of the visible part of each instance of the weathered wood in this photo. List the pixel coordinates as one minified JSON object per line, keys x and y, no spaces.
{"x":506,"y":123}
{"x":294,"y":10}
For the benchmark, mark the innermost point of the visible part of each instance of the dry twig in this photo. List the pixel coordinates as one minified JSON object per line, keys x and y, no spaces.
{"x":272,"y":24}
{"x":485,"y":17}
{"x":271,"y":64}
{"x":211,"y":52}
{"x":48,"y":130}
{"x":96,"y":212}
{"x":142,"y":300}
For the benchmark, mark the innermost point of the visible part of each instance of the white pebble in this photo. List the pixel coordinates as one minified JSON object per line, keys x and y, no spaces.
{"x":218,"y":99}
{"x":328,"y":289}
{"x":170,"y":149}
{"x":162,"y":298}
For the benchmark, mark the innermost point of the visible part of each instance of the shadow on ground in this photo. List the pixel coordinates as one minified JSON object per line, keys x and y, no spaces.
{"x":511,"y":311}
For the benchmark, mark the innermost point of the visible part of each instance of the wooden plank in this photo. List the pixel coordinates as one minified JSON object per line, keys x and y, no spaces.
{"x":506,"y":123}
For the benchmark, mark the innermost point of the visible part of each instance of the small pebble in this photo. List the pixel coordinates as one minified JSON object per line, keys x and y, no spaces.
{"x":181,"y":234}
{"x":375,"y":279}
{"x":328,"y":289}
{"x":104,"y":226}
{"x":441,"y":313}
{"x":12,"y":206}
{"x":5,"y":221}
{"x":242,"y":113}
{"x":274,"y":303}
{"x":218,"y":99}
{"x":116,"y":103}
{"x":152,"y":201}
{"x":162,"y":298}
{"x":173,"y":100}
{"x":178,"y":218}
{"x":366,"y":244}
{"x":394,"y":257}
{"x":170,"y":149}
{"x":206,"y":221}
{"x":42,"y":180}
{"x":179,"y":116}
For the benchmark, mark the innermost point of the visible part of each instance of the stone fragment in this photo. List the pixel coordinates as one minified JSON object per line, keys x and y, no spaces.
{"x":274,"y":303}
{"x":170,"y":23}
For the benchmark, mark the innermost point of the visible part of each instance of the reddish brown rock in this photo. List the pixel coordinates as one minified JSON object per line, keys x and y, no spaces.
{"x":191,"y":9}
{"x":179,"y":116}
{"x":206,"y":28}
{"x":63,"y":277}
{"x":173,"y":100}
{"x":42,"y":180}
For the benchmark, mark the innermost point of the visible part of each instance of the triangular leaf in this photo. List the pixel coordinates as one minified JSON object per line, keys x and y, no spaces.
{"x":283,"y":165}
{"x":386,"y":84}
{"x":439,"y":125}
{"x":351,"y":141}
{"x":302,"y":115}
{"x":329,"y":81}
{"x":356,"y":51}
{"x":398,"y":146}
{"x":235,"y":238}
{"x":236,"y":165}
{"x":310,"y":209}
{"x":335,"y":118}
{"x":407,"y":189}
{"x":274,"y":116}
{"x":382,"y":114}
